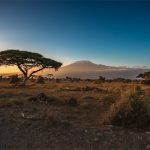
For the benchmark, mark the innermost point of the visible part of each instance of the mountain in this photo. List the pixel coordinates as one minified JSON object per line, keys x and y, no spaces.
{"x":84,"y":66}
{"x":88,"y":69}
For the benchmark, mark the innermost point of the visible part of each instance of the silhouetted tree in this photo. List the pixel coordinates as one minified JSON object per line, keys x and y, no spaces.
{"x":101,"y":78}
{"x":27,"y":62}
{"x":145,"y":75}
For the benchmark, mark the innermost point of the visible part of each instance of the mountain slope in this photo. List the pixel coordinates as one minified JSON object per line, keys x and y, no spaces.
{"x":87,"y":66}
{"x":87,"y":69}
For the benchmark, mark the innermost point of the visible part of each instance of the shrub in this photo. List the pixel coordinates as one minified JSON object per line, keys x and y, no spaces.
{"x":146,"y":82}
{"x":42,"y":97}
{"x":14,"y":79}
{"x":101,"y":79}
{"x":58,"y":80}
{"x":40,"y":80}
{"x":134,"y":113}
{"x":73,"y":102}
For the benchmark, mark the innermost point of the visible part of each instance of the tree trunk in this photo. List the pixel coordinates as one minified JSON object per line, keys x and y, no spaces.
{"x":25,"y":79}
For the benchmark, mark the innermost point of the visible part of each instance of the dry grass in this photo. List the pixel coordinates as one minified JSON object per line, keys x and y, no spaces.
{"x":97,"y":103}
{"x":132,"y":110}
{"x":73,"y":119}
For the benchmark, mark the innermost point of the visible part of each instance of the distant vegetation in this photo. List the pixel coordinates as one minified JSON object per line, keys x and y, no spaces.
{"x":146,"y":77}
{"x":17,"y":79}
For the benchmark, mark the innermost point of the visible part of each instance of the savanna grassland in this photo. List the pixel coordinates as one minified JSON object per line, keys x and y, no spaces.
{"x":75,"y":115}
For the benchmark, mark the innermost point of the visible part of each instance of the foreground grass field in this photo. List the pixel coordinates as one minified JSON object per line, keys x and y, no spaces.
{"x":81,"y":115}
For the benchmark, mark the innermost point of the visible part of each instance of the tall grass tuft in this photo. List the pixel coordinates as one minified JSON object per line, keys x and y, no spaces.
{"x":135,"y":112}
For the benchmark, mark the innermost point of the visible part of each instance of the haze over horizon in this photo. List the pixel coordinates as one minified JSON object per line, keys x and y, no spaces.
{"x":113,"y":33}
{"x":86,"y":69}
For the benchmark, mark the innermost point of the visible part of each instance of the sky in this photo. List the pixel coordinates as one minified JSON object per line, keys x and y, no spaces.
{"x":115,"y":33}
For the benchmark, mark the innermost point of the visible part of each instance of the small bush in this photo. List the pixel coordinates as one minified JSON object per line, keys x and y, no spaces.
{"x":146,"y":82}
{"x":73,"y":102}
{"x":42,"y":97}
{"x":58,"y":80}
{"x":40,"y":80}
{"x":134,"y":113}
{"x":14,"y":79}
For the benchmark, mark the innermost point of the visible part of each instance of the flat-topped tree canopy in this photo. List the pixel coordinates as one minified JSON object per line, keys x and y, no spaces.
{"x":14,"y":57}
{"x":26,"y":60}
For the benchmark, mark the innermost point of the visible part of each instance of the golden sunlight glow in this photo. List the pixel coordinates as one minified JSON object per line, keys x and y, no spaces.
{"x":8,"y":69}
{"x":15,"y":70}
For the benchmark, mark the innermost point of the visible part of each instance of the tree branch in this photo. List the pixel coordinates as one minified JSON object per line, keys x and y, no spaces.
{"x":18,"y":65}
{"x":35,"y":71}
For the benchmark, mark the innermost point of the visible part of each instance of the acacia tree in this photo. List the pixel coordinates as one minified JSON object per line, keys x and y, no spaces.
{"x":27,"y":62}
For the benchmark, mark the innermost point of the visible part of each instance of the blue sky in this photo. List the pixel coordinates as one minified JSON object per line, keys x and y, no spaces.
{"x":105,"y":32}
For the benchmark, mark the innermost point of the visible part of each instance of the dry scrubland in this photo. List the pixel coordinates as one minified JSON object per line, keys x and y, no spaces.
{"x":80,"y":115}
